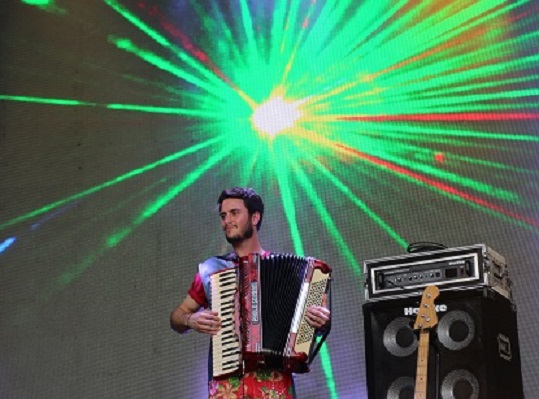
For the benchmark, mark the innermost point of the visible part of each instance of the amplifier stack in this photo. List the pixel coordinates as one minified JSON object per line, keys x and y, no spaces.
{"x":474,"y":348}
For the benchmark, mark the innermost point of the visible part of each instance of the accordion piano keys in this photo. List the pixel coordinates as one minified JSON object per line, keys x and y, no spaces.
{"x":225,"y":344}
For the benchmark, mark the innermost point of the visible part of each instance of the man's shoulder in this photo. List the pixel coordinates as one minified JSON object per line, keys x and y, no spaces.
{"x":216,"y":263}
{"x":228,"y":257}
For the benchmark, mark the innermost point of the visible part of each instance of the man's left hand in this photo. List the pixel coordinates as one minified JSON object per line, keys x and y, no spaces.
{"x":318,"y":316}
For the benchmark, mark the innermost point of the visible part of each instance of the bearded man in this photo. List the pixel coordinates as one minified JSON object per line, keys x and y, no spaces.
{"x":240,"y":211}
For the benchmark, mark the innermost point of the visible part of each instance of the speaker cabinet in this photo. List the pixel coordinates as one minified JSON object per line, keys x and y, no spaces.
{"x":473,"y":352}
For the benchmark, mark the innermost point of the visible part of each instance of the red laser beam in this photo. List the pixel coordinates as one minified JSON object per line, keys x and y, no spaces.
{"x":461,"y":116}
{"x":438,"y":185}
{"x":184,"y":40}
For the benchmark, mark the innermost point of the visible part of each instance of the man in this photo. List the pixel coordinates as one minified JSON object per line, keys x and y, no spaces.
{"x":241,"y":211}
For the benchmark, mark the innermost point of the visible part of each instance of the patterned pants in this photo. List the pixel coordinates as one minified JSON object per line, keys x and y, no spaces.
{"x":260,"y":384}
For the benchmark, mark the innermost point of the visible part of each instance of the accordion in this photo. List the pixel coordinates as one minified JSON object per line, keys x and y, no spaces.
{"x":262,"y":306}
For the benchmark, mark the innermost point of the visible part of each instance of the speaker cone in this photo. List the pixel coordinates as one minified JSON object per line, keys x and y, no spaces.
{"x":460,"y":384}
{"x":399,"y":338}
{"x":401,"y":388}
{"x":456,"y":330}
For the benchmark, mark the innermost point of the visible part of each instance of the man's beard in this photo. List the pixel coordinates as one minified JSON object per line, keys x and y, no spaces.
{"x":240,"y":237}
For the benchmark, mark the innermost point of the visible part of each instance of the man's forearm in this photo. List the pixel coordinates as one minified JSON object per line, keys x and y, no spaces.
{"x":180,"y":321}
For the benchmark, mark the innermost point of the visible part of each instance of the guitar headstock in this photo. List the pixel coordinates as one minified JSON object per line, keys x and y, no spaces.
{"x":426,"y":316}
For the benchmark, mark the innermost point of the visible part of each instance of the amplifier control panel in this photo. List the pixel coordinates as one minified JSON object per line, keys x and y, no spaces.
{"x":452,"y":270}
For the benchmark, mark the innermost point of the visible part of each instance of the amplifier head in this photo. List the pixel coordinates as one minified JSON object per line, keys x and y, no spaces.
{"x":450,"y":269}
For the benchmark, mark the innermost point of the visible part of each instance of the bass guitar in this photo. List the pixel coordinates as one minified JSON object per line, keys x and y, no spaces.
{"x":425,"y":321}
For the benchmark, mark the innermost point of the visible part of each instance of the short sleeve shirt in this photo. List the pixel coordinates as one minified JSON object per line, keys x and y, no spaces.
{"x":196,"y":291}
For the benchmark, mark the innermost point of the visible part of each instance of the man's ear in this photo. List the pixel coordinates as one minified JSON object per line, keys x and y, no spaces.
{"x":255,"y":218}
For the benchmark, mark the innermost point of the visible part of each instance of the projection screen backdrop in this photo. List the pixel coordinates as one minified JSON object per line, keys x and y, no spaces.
{"x":365,"y":126}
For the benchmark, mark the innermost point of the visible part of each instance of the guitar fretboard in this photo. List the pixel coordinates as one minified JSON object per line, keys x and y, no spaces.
{"x":422,"y":365}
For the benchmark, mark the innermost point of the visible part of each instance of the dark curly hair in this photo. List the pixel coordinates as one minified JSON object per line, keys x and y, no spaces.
{"x":250,"y":198}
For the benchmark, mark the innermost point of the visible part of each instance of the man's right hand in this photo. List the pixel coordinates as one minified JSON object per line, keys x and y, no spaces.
{"x":205,"y":321}
{"x":189,"y":315}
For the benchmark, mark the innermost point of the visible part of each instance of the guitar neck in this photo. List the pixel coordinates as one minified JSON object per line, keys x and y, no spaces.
{"x":422,"y":365}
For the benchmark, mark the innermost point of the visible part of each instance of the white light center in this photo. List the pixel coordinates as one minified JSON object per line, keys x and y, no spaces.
{"x":275,"y":115}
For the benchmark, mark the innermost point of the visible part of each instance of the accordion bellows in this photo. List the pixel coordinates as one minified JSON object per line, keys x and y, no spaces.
{"x":262,"y":305}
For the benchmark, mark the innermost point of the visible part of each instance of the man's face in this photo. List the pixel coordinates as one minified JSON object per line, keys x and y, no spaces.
{"x":235,"y":220}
